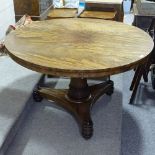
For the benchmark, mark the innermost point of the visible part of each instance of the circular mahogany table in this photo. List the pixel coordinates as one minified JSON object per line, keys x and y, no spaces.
{"x":79,"y":49}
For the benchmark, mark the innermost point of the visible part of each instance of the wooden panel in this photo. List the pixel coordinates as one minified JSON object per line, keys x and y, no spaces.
{"x":30,"y":7}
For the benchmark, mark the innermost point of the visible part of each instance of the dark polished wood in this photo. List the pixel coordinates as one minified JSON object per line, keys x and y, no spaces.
{"x":37,"y":9}
{"x":136,"y":80}
{"x":27,"y":6}
{"x":78,"y":100}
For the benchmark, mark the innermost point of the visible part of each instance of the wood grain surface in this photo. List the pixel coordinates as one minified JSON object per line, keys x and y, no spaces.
{"x":107,"y":15}
{"x":62,"y":13}
{"x":78,"y":47}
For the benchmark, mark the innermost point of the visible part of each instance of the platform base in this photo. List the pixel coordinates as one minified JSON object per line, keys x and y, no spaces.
{"x":77,"y":100}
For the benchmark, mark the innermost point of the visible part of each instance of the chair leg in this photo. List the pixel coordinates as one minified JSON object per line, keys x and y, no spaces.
{"x":145,"y":77}
{"x":136,"y":82}
{"x":134,"y":78}
{"x":147,"y":69}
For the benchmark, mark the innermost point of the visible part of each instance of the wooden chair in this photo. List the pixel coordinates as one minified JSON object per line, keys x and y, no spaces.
{"x":143,"y":69}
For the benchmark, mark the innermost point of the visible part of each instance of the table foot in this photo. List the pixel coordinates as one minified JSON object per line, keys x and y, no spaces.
{"x":111,"y":90}
{"x":77,"y":100}
{"x":36,"y":96}
{"x":87,"y":129}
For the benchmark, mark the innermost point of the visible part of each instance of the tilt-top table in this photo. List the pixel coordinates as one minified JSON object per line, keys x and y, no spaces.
{"x":79,"y":49}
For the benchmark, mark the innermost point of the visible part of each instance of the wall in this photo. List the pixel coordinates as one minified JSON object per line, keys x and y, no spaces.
{"x":7,"y":16}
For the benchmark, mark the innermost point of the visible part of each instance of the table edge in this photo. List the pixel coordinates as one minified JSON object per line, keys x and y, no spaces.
{"x":76,"y":73}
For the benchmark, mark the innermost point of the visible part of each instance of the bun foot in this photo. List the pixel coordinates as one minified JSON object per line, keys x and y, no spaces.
{"x":111,"y":89}
{"x":110,"y":92}
{"x":36,"y":96}
{"x":87,"y":129}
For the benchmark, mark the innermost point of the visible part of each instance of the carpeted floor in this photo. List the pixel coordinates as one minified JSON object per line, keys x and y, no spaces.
{"x":44,"y":132}
{"x":49,"y":130}
{"x":16,"y":86}
{"x":138,"y":125}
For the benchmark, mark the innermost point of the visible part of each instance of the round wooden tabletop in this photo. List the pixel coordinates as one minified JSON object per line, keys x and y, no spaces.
{"x":78,"y":47}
